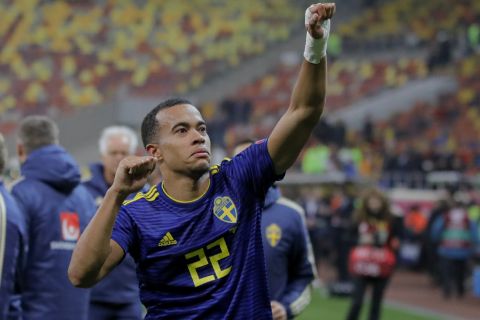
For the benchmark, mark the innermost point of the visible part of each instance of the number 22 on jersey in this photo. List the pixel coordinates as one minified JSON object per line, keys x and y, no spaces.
{"x":202,"y":260}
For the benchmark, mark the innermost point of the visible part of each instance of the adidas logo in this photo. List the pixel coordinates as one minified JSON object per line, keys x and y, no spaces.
{"x":167,"y":240}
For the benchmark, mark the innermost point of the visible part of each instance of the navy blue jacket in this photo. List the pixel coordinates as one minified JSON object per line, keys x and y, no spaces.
{"x":121,"y":285}
{"x":56,"y":209}
{"x":12,"y":245}
{"x":288,"y":254}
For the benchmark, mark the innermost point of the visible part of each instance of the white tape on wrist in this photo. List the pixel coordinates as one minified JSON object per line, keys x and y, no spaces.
{"x":316,"y":49}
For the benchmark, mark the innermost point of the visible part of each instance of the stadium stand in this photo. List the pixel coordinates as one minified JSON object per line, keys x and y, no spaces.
{"x":407,"y":22}
{"x":349,"y":80}
{"x":58,"y":56}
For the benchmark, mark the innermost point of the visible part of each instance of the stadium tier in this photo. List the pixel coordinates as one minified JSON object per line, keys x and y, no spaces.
{"x":409,"y":22}
{"x":62,"y":55}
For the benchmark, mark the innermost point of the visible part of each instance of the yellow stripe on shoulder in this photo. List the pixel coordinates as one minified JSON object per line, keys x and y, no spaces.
{"x":214,"y":169}
{"x":150,"y":195}
{"x":153,"y":196}
{"x":217,"y":167}
{"x":152,"y":190}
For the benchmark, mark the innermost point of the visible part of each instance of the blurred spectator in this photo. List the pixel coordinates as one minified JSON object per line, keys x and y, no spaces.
{"x":441,"y":51}
{"x":339,"y":133}
{"x":342,"y":205}
{"x":334,"y":49}
{"x":431,"y":245}
{"x":12,"y":243}
{"x":316,"y":159}
{"x":373,"y":258}
{"x":473,"y":34}
{"x":457,"y":236}
{"x":117,"y":295}
{"x":318,"y":222}
{"x":415,"y":224}
{"x":368,"y":131}
{"x":56,"y":209}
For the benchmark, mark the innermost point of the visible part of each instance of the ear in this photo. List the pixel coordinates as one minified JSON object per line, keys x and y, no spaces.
{"x":21,"y":152}
{"x":153,"y":150}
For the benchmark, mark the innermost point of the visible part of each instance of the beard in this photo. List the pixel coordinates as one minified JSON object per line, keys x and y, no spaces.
{"x":197,"y":171}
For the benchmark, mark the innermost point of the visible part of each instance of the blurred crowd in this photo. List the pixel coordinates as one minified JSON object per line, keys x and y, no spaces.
{"x":402,"y":150}
{"x":409,"y":24}
{"x":423,"y":228}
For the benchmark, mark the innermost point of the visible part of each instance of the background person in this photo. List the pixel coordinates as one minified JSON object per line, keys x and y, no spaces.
{"x":56,"y":209}
{"x":117,"y":296}
{"x":377,"y":240}
{"x":12,"y":242}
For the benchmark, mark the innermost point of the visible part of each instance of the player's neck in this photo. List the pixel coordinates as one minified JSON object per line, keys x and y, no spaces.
{"x":185,"y":188}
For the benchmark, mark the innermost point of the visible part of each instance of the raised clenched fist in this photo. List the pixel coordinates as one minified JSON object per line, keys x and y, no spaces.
{"x":315,"y":15}
{"x":132,"y":173}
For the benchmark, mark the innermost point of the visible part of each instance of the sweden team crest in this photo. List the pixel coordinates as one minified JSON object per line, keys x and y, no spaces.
{"x":274,"y":234}
{"x":225,"y":210}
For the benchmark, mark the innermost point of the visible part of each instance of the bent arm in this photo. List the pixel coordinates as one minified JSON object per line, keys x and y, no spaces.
{"x":95,"y":254}
{"x":306,"y":106}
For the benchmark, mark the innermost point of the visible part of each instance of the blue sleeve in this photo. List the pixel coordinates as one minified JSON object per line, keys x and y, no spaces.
{"x":297,"y":295}
{"x":124,"y":232}
{"x":437,"y":229}
{"x":89,"y":202}
{"x":15,"y":253}
{"x":253,"y":168}
{"x":22,"y":250}
{"x":474,"y":233}
{"x":22,"y":203}
{"x":16,"y":239}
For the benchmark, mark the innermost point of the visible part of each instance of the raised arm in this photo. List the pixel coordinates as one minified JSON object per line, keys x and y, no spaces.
{"x":308,"y":98}
{"x":95,"y":254}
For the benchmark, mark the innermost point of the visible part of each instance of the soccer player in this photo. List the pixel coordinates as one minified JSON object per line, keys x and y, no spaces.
{"x":288,"y":252}
{"x":56,"y":209}
{"x":117,"y":296}
{"x":12,"y":238}
{"x":196,"y":238}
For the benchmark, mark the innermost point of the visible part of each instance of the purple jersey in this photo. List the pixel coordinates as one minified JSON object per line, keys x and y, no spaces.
{"x":203,"y":259}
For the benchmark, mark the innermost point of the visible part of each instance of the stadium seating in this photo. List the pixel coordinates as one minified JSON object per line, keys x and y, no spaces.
{"x":445,"y":133}
{"x":400,"y":22}
{"x":436,"y":137}
{"x":68,"y":54}
{"x":349,"y":81}
{"x":442,"y":136}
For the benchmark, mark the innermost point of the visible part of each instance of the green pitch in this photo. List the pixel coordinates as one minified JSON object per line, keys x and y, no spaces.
{"x":337,"y":308}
